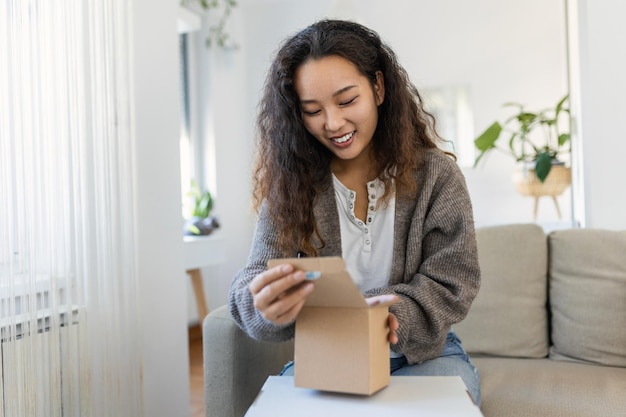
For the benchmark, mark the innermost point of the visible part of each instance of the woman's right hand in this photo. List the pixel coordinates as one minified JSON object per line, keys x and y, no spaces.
{"x":279,"y":293}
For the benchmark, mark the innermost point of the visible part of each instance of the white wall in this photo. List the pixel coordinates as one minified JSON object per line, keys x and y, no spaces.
{"x":159,"y":245}
{"x":599,"y":88}
{"x":223,"y":84}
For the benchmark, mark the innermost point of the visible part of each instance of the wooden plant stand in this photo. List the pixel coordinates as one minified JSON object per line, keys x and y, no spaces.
{"x":527,"y":183}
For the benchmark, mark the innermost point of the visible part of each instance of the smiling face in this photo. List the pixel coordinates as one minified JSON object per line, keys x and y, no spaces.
{"x":339,"y":106}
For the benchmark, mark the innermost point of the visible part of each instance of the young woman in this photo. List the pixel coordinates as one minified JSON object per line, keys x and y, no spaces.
{"x":348,"y":165}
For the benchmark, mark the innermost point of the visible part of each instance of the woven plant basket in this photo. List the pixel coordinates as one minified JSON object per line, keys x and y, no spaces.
{"x":557,"y":181}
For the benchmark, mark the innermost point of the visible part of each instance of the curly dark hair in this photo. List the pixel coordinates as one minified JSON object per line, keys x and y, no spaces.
{"x":292,"y":167}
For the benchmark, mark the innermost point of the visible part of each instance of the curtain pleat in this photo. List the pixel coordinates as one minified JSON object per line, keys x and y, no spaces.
{"x":69,"y":324}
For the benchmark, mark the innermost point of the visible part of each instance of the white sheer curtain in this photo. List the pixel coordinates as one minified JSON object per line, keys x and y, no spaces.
{"x":68,"y":280}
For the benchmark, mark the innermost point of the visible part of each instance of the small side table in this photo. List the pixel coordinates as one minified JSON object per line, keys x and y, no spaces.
{"x":201,"y":252}
{"x":432,"y":396}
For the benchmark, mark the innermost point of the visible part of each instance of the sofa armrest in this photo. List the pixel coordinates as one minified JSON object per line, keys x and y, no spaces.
{"x":235,"y":365}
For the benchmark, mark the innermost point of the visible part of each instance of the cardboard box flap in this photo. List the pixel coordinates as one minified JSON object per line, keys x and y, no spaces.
{"x":334,"y":288}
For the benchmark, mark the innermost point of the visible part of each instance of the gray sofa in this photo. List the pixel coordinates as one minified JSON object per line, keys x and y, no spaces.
{"x":547,"y":330}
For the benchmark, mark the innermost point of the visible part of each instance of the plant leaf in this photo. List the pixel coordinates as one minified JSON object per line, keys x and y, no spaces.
{"x":514,"y":104}
{"x":559,"y":106}
{"x":489,"y":137}
{"x":563,"y":139}
{"x":526,"y":117}
{"x":194,"y":229}
{"x":543,"y":166}
{"x":205,"y":205}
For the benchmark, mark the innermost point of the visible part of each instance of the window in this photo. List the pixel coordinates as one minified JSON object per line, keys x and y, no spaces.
{"x":186,"y":148}
{"x":190,"y":145}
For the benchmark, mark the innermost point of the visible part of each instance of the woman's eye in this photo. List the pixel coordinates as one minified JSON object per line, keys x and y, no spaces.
{"x":310,"y":112}
{"x":345,"y":103}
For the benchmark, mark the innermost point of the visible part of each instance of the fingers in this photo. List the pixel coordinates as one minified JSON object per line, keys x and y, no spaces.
{"x":380,"y":299}
{"x":392,"y":321}
{"x":285,"y":310}
{"x":279,"y":293}
{"x":260,"y":281}
{"x":393,"y":328}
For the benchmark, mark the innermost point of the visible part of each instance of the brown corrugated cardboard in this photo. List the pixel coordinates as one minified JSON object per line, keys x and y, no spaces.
{"x":341,"y":343}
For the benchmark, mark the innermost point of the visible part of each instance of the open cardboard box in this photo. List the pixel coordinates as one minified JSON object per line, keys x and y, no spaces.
{"x":341,"y":342}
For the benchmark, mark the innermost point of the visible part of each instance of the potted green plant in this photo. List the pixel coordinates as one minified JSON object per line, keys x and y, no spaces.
{"x":199,"y":221}
{"x":534,"y":138}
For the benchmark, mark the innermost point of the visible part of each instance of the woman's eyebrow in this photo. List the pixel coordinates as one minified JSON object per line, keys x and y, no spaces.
{"x":335,"y":94}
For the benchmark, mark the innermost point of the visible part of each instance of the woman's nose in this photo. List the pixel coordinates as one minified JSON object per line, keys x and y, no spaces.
{"x":334,"y":120}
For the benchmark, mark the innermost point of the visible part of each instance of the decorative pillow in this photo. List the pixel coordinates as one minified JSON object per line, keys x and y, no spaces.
{"x":588,"y":296}
{"x":509,"y":316}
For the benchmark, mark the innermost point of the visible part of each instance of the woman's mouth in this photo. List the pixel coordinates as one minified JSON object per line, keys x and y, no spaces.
{"x":343,"y":139}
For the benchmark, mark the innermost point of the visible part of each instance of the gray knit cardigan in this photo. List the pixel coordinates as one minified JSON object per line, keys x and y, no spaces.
{"x":435,"y":268}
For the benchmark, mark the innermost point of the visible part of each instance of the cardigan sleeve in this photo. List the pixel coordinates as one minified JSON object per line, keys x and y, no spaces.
{"x":240,"y":301}
{"x":441,"y":275}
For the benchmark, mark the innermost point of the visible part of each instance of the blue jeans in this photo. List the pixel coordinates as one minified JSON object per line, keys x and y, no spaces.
{"x":453,"y":361}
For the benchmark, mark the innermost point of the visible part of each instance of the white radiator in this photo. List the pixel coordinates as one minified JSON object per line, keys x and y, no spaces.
{"x":39,"y":356}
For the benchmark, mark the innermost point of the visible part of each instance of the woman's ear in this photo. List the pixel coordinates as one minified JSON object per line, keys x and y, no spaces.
{"x":379,"y":88}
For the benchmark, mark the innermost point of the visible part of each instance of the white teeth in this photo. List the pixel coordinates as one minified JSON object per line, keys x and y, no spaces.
{"x":343,"y":138}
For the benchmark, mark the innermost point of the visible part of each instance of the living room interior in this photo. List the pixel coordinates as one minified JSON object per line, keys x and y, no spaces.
{"x":477,"y":55}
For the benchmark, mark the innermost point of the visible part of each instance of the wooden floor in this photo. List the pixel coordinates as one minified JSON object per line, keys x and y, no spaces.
{"x":196,"y":377}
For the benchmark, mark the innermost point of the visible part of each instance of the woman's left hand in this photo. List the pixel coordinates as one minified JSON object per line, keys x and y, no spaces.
{"x":393,"y":328}
{"x":392,"y":321}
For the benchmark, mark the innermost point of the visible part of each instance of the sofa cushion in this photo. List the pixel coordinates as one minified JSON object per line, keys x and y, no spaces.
{"x":542,"y":387}
{"x":509,"y":316}
{"x":588,"y":296}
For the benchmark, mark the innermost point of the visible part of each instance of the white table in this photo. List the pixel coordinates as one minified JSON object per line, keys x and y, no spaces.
{"x":200,"y":252}
{"x":421,"y":396}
